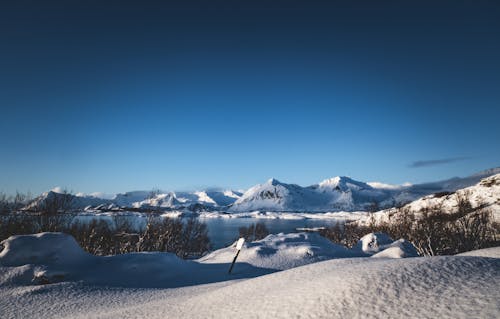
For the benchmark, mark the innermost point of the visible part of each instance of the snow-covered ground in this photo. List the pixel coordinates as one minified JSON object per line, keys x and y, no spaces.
{"x":486,"y":193}
{"x":281,"y":276}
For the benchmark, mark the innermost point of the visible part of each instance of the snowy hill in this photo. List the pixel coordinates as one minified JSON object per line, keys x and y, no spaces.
{"x":485,"y":193}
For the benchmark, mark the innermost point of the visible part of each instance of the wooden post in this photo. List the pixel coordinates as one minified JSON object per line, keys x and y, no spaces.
{"x":239,"y":245}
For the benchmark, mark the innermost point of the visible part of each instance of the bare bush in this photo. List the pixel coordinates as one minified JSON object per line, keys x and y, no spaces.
{"x":185,"y":239}
{"x":16,"y":224}
{"x":95,"y":237}
{"x":10,"y":204}
{"x":195,"y":241}
{"x":346,"y":234}
{"x":254,"y":231}
{"x":432,"y":230}
{"x":161,"y":235}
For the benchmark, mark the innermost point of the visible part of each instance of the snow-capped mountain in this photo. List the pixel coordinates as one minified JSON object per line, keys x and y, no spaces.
{"x":146,"y":200}
{"x":277,"y":196}
{"x":208,"y":199}
{"x":56,"y":200}
{"x":334,"y":194}
{"x":344,"y":194}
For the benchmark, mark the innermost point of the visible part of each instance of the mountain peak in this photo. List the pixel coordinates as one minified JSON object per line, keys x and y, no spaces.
{"x":343,"y":183}
{"x":273,"y":181}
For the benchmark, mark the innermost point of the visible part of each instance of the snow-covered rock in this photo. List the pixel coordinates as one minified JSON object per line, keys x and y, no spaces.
{"x":41,"y":249}
{"x":381,"y":245}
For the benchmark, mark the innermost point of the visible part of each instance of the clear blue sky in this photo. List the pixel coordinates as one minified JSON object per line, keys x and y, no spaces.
{"x":113,"y":96}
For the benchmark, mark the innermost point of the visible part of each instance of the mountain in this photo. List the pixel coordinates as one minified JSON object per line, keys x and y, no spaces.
{"x":173,"y":200}
{"x":334,"y":194}
{"x":277,"y":196}
{"x":342,"y":193}
{"x":55,"y":200}
{"x":339,"y":193}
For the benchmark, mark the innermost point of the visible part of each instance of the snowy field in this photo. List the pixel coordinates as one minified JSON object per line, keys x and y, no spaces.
{"x":282,"y":276}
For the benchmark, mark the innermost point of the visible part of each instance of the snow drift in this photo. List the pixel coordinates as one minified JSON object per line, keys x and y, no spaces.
{"x":55,"y":257}
{"x":434,"y":287}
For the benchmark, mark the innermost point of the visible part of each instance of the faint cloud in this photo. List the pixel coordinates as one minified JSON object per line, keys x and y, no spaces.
{"x":425,"y":163}
{"x":57,"y":189}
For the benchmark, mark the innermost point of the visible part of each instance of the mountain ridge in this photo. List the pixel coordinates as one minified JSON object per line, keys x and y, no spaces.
{"x":339,"y":193}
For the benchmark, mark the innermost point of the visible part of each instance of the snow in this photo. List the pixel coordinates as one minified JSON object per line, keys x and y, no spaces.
{"x":283,"y":251}
{"x":160,"y":285}
{"x":485,"y":192}
{"x":493,"y":252}
{"x":43,"y":248}
{"x":58,"y":189}
{"x":340,"y":216}
{"x":387,"y":186}
{"x":381,"y":245}
{"x":58,"y":257}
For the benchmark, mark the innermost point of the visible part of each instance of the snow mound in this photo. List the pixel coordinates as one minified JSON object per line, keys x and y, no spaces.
{"x":283,"y":251}
{"x":43,"y":248}
{"x":381,"y":245}
{"x":55,"y":257}
{"x":436,"y":287}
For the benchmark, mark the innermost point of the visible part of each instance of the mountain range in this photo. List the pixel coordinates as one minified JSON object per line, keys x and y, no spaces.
{"x":339,"y":193}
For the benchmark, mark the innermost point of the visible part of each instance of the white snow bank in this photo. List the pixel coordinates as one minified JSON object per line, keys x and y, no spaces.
{"x":55,"y":257}
{"x":381,"y":245}
{"x":437,"y":287}
{"x":433,"y":287}
{"x":43,"y":248}
{"x":493,"y":252}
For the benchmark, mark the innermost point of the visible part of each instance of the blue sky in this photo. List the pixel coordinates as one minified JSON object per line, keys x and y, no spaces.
{"x":119,"y":96}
